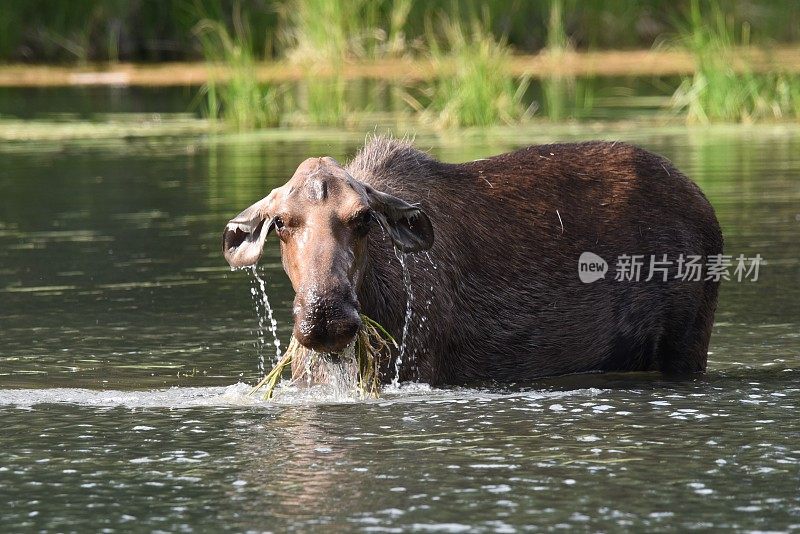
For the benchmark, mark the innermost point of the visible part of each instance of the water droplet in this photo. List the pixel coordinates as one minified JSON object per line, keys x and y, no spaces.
{"x":266,"y":321}
{"x":407,"y":320}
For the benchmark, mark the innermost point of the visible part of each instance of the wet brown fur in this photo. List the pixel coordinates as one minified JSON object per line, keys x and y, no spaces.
{"x":505,"y":302}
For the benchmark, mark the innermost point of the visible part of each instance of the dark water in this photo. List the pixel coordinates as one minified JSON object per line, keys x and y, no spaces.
{"x":125,"y":342}
{"x":71,"y":103}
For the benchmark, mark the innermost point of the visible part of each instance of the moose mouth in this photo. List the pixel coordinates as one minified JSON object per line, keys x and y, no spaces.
{"x":243,"y":242}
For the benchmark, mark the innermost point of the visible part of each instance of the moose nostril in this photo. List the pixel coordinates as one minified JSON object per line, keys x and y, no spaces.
{"x":351,"y":329}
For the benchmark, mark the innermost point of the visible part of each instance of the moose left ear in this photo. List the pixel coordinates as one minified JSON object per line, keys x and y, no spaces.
{"x":408,"y":226}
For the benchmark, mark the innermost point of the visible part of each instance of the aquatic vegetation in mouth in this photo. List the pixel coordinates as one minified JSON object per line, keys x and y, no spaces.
{"x":371,"y":340}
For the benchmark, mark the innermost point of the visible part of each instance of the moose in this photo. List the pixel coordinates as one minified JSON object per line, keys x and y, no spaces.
{"x":491,"y":250}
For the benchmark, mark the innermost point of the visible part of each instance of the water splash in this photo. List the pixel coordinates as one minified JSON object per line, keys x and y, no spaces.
{"x":265,"y":321}
{"x":341,"y":376}
{"x":424,"y":327}
{"x":407,"y":320}
{"x":307,"y":363}
{"x":236,"y":396}
{"x":260,"y":341}
{"x":335,"y":376}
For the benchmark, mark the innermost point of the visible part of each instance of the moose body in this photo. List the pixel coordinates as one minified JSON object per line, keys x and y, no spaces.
{"x":491,"y":252}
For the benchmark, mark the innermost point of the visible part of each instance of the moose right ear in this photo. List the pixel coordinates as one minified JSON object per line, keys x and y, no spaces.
{"x":408,"y":226}
{"x":244,"y":235}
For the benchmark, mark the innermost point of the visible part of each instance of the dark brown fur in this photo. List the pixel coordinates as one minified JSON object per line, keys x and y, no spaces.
{"x":504,"y":301}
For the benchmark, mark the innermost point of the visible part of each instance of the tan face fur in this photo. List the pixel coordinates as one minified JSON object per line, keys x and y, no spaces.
{"x":322,"y":217}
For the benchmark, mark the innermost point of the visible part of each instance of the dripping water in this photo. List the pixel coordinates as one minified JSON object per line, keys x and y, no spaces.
{"x":430,"y":260}
{"x":340,"y":376}
{"x":312,"y":356}
{"x":330,"y":376}
{"x":407,"y":320}
{"x":424,"y":327}
{"x":266,"y":321}
{"x":260,"y":341}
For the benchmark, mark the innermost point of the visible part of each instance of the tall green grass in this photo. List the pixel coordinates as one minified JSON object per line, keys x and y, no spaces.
{"x":318,"y":38}
{"x":98,"y":30}
{"x":472,"y":86}
{"x":724,"y":87}
{"x":323,"y":36}
{"x":557,"y":39}
{"x":238,"y":99}
{"x":351,"y":29}
{"x":566,"y":97}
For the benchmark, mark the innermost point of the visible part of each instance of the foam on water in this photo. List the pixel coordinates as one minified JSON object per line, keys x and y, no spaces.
{"x":236,"y":395}
{"x":175,"y":397}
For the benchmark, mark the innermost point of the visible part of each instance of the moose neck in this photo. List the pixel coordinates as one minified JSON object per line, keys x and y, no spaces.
{"x":382,"y":294}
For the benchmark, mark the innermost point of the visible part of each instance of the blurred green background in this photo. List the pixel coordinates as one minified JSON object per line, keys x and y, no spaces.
{"x":440,"y":64}
{"x":149,"y":30}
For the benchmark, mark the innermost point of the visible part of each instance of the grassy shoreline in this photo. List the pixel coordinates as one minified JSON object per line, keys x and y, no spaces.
{"x":185,"y":134}
{"x":542,"y":65}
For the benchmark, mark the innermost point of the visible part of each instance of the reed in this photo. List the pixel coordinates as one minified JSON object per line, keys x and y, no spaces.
{"x":325,"y":35}
{"x":566,"y":97}
{"x":557,"y":40}
{"x":472,"y":86}
{"x":239,"y":100}
{"x":318,"y":39}
{"x":724,"y":87}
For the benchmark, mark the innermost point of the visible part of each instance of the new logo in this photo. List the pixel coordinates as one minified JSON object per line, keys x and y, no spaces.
{"x":591,"y":267}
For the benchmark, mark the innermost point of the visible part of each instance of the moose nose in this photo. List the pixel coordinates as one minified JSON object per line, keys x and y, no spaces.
{"x":326,"y":324}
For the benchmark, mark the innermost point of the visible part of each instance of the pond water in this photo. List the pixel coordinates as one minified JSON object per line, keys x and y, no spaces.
{"x":128,"y":344}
